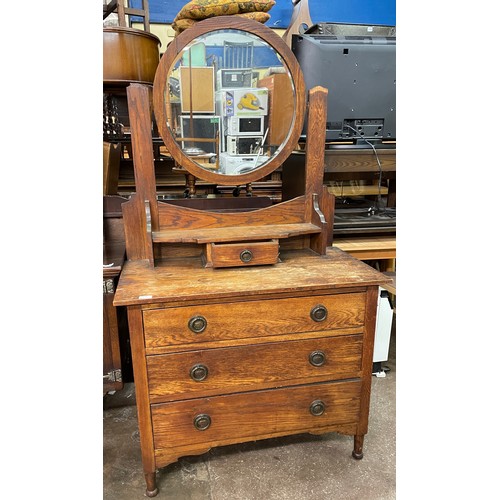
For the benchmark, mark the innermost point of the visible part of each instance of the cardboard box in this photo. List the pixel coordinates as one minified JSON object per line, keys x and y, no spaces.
{"x":201,"y":90}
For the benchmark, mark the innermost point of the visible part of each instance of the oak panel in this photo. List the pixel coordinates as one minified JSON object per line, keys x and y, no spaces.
{"x":246,"y":368}
{"x":236,"y":320}
{"x":254,"y":414}
{"x":186,"y":280}
{"x":242,"y":254}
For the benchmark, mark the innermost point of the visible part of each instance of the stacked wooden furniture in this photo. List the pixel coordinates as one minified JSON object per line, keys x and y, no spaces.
{"x":344,"y":163}
{"x":244,"y":325}
{"x":112,"y":361}
{"x":124,"y":12}
{"x":113,"y":259}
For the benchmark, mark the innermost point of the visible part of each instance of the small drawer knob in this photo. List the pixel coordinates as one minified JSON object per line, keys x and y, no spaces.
{"x":246,"y":256}
{"x":202,"y":422}
{"x":317,"y":408}
{"x":319,"y":313}
{"x":199,"y":373}
{"x":317,"y":358}
{"x":197,"y":324}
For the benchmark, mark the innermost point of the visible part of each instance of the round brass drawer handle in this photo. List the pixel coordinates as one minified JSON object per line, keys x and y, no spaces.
{"x":317,"y":358}
{"x":199,"y":373}
{"x":202,"y":422}
{"x":319,"y":313}
{"x":197,"y":324}
{"x":317,"y":408}
{"x":246,"y":256}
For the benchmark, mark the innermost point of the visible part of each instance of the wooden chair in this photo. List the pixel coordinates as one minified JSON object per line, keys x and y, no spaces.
{"x":124,"y":10}
{"x":238,"y":55}
{"x":300,"y":21}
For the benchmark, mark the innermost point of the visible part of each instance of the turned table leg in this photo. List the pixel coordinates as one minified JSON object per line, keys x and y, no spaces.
{"x":191,"y":185}
{"x":151,"y":489}
{"x":357,"y":453}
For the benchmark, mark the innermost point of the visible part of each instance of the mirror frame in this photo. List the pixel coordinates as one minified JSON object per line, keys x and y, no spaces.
{"x":160,"y":91}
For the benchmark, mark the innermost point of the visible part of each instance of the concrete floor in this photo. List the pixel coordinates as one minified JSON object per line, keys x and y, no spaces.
{"x":302,"y":467}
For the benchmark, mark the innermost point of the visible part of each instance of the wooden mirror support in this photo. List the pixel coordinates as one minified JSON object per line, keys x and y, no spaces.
{"x":158,"y":230}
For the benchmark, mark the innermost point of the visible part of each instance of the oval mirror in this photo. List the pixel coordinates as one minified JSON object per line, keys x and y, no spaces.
{"x":229,"y":100}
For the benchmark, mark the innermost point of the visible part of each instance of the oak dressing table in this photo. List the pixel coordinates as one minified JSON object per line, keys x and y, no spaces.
{"x":244,"y":324}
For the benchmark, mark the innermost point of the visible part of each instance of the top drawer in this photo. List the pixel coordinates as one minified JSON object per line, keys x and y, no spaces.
{"x":239,"y":320}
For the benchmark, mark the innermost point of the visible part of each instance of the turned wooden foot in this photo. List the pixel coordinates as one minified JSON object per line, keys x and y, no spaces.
{"x":191,"y":184}
{"x":151,"y":489}
{"x":357,"y":453}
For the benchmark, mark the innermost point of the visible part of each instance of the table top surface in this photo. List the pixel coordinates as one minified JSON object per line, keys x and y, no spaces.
{"x":366,"y":243}
{"x":391,"y":286}
{"x":299,"y":271}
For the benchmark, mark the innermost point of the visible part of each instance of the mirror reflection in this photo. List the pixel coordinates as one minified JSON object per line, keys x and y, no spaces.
{"x":230,"y":102}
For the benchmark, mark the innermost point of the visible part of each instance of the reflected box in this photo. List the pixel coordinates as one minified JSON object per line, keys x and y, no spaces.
{"x":242,"y":102}
{"x":234,"y":78}
{"x":197,"y":89}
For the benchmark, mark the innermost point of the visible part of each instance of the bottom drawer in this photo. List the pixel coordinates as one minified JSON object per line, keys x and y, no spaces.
{"x":229,"y":419}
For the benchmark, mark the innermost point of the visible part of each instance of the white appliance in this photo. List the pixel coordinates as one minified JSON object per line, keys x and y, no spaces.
{"x":244,"y":145}
{"x":243,"y":125}
{"x":236,"y":165}
{"x":383,"y":327}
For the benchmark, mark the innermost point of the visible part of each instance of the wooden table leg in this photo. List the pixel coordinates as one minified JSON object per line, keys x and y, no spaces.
{"x":151,"y":489}
{"x":357,"y":453}
{"x":191,"y":184}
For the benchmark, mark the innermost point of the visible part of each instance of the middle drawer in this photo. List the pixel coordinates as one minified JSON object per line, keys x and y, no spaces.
{"x":209,"y":372}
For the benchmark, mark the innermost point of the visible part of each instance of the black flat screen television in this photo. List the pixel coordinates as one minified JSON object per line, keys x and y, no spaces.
{"x":360,"y":75}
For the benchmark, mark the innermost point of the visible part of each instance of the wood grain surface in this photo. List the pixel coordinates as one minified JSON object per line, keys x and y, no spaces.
{"x":184,"y":280}
{"x":230,"y":254}
{"x":245,"y":368}
{"x":256,"y":318}
{"x":175,"y":217}
{"x":254,"y":415}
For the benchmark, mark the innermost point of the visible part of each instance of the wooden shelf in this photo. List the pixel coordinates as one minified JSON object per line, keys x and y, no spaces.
{"x":224,"y":234}
{"x":349,"y":190}
{"x":390,"y":287}
{"x":369,"y":247}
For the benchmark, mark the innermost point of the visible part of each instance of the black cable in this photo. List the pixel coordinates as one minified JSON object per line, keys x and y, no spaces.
{"x":377,"y":208}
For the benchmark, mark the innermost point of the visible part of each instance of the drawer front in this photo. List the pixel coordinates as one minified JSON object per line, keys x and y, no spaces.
{"x":233,"y":418}
{"x":233,"y":369}
{"x":238,"y":320}
{"x":242,"y":254}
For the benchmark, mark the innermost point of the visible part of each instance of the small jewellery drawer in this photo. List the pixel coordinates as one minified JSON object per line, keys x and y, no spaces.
{"x":221,"y":371}
{"x":254,"y":415}
{"x":255,"y":318}
{"x":253,"y":253}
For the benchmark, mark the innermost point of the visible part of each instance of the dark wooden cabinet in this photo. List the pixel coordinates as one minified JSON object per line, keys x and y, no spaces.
{"x":116,"y":349}
{"x":112,"y":359}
